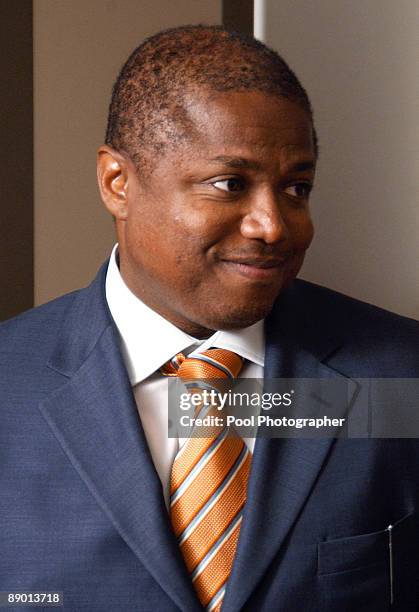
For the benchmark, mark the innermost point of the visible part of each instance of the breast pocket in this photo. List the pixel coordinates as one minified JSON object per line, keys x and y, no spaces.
{"x":373,"y":572}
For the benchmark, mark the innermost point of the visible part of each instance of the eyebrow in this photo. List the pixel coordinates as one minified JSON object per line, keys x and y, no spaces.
{"x":303,"y":166}
{"x":241,"y":162}
{"x":236,"y":162}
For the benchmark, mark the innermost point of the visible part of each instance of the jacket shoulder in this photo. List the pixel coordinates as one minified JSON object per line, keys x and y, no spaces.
{"x":374,"y":342}
{"x":36,"y":327}
{"x":332,"y":306}
{"x":335,"y":303}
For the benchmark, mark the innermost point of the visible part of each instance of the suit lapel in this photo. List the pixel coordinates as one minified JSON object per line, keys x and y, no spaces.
{"x":285,"y":470}
{"x":94,"y":417}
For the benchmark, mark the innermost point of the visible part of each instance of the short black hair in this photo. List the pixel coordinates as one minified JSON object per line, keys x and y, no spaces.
{"x":147,"y":113}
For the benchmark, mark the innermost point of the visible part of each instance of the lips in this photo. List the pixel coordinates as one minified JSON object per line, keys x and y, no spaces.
{"x":259,"y":262}
{"x":256,"y":268}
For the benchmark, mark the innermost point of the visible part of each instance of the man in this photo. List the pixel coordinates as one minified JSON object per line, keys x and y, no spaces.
{"x":207,"y":169}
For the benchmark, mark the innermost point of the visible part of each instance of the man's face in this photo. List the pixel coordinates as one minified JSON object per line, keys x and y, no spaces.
{"x":222,"y":224}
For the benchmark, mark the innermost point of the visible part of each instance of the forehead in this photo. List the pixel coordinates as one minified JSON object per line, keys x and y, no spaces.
{"x":249,"y":121}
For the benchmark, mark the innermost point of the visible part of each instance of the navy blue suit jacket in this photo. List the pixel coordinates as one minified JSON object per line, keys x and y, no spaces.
{"x":81,"y":505}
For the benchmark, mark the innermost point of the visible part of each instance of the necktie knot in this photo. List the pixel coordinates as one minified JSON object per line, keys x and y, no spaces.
{"x":213,"y":363}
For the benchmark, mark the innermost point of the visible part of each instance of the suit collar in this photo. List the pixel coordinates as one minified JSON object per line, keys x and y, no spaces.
{"x":86,"y":320}
{"x":296,"y":325}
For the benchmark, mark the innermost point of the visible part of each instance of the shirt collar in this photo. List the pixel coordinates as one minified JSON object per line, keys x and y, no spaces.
{"x":148,"y":340}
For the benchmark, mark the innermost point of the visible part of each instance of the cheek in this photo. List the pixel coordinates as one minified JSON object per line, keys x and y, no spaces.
{"x":173,"y":248}
{"x":302,"y":234}
{"x":202,"y":221}
{"x":194,"y":233}
{"x":301,"y":240}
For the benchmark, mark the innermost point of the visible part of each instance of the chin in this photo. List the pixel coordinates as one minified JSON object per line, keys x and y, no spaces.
{"x":239,"y":317}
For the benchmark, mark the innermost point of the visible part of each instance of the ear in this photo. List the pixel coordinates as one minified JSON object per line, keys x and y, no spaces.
{"x":113,"y":170}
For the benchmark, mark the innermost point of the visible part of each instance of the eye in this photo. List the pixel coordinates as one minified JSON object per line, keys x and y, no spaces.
{"x":229,"y":185}
{"x":299,"y":190}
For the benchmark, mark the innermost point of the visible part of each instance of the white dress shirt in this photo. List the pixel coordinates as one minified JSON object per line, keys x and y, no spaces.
{"x":147,"y":342}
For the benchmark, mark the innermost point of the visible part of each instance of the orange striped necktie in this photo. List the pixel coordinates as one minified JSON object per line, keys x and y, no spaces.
{"x":208,"y":484}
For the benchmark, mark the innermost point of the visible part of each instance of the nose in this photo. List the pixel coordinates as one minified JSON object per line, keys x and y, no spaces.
{"x":263,"y":219}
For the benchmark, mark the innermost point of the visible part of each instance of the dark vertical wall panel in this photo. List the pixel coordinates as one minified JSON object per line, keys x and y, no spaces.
{"x":238,"y":15}
{"x":16,"y":161}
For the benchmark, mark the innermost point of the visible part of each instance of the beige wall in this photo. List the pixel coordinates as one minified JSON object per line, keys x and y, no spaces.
{"x":359,"y":63}
{"x":79,"y":47}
